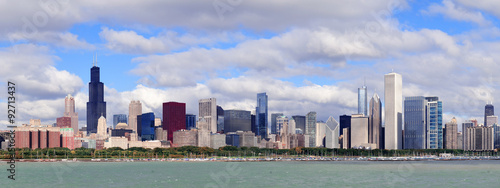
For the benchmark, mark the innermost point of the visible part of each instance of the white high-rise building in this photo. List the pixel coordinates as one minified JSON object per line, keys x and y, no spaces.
{"x":320,"y":133}
{"x":393,"y":100}
{"x":332,"y":133}
{"x":134,"y":109}
{"x":208,"y":111}
{"x":101,"y":127}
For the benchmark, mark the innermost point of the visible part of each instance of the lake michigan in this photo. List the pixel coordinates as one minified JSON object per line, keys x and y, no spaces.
{"x":474,"y":173}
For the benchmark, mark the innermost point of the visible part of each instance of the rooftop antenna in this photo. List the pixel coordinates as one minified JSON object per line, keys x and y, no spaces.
{"x":96,"y":59}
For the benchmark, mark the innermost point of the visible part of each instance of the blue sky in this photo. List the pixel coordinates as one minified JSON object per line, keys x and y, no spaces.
{"x":306,"y":56}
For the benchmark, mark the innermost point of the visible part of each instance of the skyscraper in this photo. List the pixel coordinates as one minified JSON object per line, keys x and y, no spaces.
{"x":415,"y":124}
{"x":96,"y":105}
{"x":190,"y":121}
{"x":311,"y":128}
{"x":237,"y":120}
{"x":300,"y":123}
{"x":101,"y":127}
{"x":375,"y":122}
{"x":393,"y":96}
{"x":434,"y":121}
{"x":134,"y":109}
{"x":362,"y":101}
{"x":345,"y":122}
{"x":208,"y":111}
{"x":489,"y":110}
{"x":119,"y":118}
{"x":220,"y":119}
{"x":174,"y":118}
{"x":147,"y":126}
{"x":491,"y":120}
{"x":261,"y":115}
{"x":451,"y":134}
{"x":332,"y":133}
{"x":69,"y":111}
{"x":465,"y":134}
{"x":273,"y":122}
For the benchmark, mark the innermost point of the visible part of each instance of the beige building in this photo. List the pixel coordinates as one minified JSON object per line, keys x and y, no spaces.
{"x":134,"y":109}
{"x":203,"y":133}
{"x":101,"y":128}
{"x":69,"y":111}
{"x":359,"y":130}
{"x":451,"y":134}
{"x":393,"y":105}
{"x":247,"y":138}
{"x":480,"y":138}
{"x":217,"y":140}
{"x":185,"y":138}
{"x":208,"y":111}
{"x":121,"y":142}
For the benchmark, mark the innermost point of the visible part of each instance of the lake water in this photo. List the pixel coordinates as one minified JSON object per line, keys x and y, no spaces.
{"x":256,"y":174}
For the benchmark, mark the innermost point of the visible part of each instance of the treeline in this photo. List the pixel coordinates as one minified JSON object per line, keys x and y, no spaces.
{"x":227,"y":151}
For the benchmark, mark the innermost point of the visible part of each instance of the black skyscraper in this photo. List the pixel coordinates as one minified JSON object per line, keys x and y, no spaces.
{"x":96,"y":105}
{"x":489,"y":110}
{"x":345,"y":122}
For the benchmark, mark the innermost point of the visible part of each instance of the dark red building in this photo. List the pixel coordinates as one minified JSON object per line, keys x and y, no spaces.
{"x":174,"y":118}
{"x":54,"y":139}
{"x":64,"y":122}
{"x":34,"y":139}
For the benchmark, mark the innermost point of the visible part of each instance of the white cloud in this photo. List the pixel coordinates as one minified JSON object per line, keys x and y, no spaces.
{"x":65,"y":39}
{"x":453,"y":11}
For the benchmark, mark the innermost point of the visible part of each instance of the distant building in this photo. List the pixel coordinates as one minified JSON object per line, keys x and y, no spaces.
{"x":489,"y":110}
{"x":434,"y":123}
{"x":147,"y":126}
{"x":345,"y":122}
{"x":311,"y":128}
{"x":359,"y":130}
{"x":232,"y":139}
{"x":415,"y":123}
{"x":119,"y":118}
{"x":63,"y":122}
{"x":362,"y":101}
{"x":96,"y":107}
{"x":261,"y":110}
{"x":69,"y":111}
{"x":134,"y":110}
{"x":480,"y":138}
{"x":203,"y":133}
{"x":220,"y":119}
{"x":375,"y":122}
{"x":190,"y":121}
{"x":496,"y":136}
{"x":332,"y":133}
{"x":161,"y":134}
{"x":174,"y":118}
{"x":346,"y":138}
{"x":300,"y":122}
{"x":465,"y":134}
{"x":393,"y":99}
{"x":184,"y":137}
{"x":217,"y":140}
{"x":101,"y":128}
{"x":247,"y":138}
{"x":320,"y":133}
{"x":273,"y":122}
{"x":208,"y":111}
{"x":68,"y":139}
{"x":451,"y":134}
{"x":237,"y":120}
{"x":491,"y":120}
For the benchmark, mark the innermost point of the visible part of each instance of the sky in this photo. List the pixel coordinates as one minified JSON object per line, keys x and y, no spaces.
{"x":306,"y":55}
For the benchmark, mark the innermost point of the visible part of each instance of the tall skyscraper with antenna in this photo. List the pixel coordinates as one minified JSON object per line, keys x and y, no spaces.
{"x":489,"y":110}
{"x":96,"y":105}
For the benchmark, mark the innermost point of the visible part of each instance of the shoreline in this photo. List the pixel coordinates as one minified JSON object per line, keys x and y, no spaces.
{"x":243,"y":159}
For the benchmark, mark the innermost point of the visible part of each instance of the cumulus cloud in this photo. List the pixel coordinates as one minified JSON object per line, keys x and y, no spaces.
{"x":64,"y":40}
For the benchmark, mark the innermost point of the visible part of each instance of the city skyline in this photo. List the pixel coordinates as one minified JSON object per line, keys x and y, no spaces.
{"x":318,"y":60}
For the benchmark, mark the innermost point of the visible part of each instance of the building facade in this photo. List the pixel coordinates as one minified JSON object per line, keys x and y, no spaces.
{"x":134,"y":110}
{"x":208,"y":111}
{"x":300,"y":123}
{"x":174,"y":118}
{"x":375,"y":122}
{"x":273,"y":122}
{"x":119,"y":118}
{"x":362,"y":101}
{"x":332,"y":133}
{"x":237,"y":120}
{"x":190,"y":121}
{"x":434,"y":117}
{"x":311,"y":128}
{"x":147,"y":126}
{"x":451,"y":134}
{"x":393,"y":97}
{"x":261,"y":112}
{"x":489,"y":110}
{"x":415,"y":122}
{"x":69,"y":111}
{"x":96,"y":105}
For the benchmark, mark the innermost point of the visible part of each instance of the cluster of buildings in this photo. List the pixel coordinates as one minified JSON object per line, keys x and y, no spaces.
{"x":413,"y":123}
